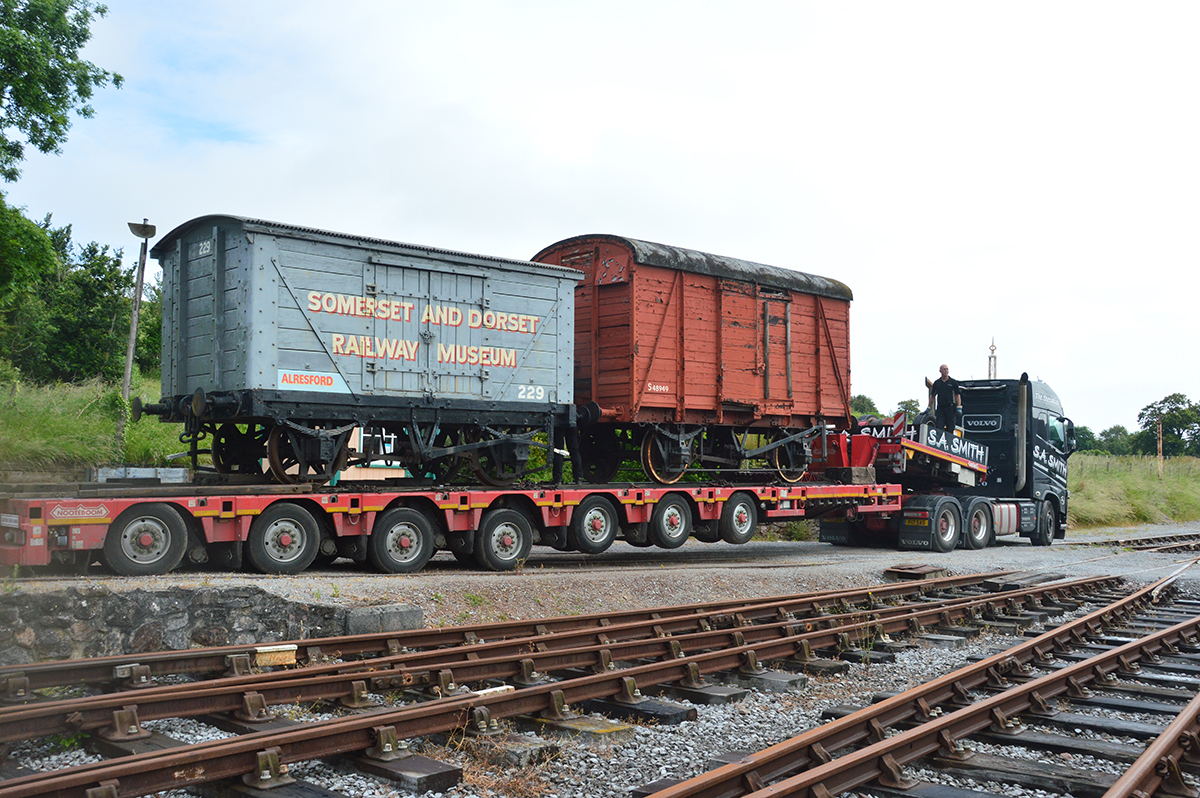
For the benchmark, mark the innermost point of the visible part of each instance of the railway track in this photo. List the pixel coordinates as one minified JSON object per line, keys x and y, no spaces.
{"x":549,"y":666}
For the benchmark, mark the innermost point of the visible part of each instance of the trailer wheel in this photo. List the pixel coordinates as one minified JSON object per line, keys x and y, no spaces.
{"x":1047,"y":522}
{"x":504,"y":540}
{"x":671,"y":523}
{"x":401,"y":541}
{"x":947,"y":523}
{"x":593,"y":526}
{"x":146,"y":540}
{"x":283,"y":540}
{"x":739,"y":519}
{"x":978,"y":524}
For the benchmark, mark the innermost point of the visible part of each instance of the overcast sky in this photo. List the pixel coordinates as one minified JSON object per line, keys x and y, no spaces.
{"x":1024,"y":172}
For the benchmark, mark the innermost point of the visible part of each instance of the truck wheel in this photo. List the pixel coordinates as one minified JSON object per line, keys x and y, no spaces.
{"x":146,"y":540}
{"x":671,"y":523}
{"x":283,"y":540}
{"x":947,"y":523}
{"x":593,"y":526}
{"x":739,"y":519}
{"x":978,"y":524}
{"x":1047,"y":522}
{"x":401,"y":541}
{"x":504,"y":540}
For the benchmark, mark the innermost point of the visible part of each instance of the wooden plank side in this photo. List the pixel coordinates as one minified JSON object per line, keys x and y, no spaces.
{"x":739,"y":355}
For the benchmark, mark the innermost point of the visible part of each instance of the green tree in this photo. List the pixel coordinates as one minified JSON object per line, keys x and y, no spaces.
{"x":910,"y":406}
{"x":1114,"y":440}
{"x":25,"y":252}
{"x":1085,"y":439}
{"x":71,"y":323}
{"x":148,"y":354}
{"x":861,"y":405}
{"x":42,"y":77}
{"x":1180,"y":427}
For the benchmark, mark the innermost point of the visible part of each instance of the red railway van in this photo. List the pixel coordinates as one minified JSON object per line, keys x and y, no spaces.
{"x":666,"y":336}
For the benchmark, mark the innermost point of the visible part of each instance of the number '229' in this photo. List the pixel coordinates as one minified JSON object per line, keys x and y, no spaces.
{"x":531,"y":392}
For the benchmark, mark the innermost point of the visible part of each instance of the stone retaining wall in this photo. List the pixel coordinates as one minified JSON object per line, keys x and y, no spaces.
{"x":95,"y":621}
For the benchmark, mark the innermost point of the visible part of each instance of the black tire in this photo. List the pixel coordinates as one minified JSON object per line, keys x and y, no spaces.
{"x":401,"y":541}
{"x":739,"y":519}
{"x":503,"y":540}
{"x":146,"y":540}
{"x":283,"y":540}
{"x":1047,"y":522}
{"x":671,"y":522}
{"x":593,"y":526}
{"x":946,"y":524}
{"x":977,"y":524}
{"x":466,"y":558}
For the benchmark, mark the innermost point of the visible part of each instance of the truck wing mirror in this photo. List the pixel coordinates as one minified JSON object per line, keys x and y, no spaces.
{"x":1070,"y":427}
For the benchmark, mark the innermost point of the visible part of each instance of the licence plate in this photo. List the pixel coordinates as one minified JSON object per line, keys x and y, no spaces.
{"x":916,"y":522}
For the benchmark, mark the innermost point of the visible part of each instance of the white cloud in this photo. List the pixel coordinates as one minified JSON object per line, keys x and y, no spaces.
{"x":1025,"y":172}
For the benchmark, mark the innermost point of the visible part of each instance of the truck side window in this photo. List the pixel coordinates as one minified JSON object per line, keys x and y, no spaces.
{"x":1058,"y":433}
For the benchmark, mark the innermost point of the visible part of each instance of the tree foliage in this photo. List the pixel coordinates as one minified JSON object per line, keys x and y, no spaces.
{"x":42,"y":77}
{"x":910,"y":406}
{"x":1085,"y":439}
{"x":72,"y":322}
{"x":1180,"y":427}
{"x":862,"y":405}
{"x":25,"y":251}
{"x":1114,"y":440}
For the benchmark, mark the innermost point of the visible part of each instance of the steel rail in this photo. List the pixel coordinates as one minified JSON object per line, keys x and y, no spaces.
{"x":868,"y":725}
{"x":1160,"y":763}
{"x":513,"y":660}
{"x":199,"y":661}
{"x":148,"y":773}
{"x":884,"y":758}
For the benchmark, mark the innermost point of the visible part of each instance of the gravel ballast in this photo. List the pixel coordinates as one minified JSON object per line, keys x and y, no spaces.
{"x":551,"y":584}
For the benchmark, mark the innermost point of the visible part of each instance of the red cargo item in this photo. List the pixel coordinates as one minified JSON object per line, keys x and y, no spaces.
{"x":664,"y":334}
{"x":677,"y":352}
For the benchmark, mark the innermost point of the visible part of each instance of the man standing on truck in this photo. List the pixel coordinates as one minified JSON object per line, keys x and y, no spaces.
{"x":945,"y":399}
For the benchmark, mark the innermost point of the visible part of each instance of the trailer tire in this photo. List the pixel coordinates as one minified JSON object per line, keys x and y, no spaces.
{"x":977,"y":524}
{"x":283,"y":540}
{"x":739,"y":519}
{"x":946,"y":524}
{"x":146,"y":540}
{"x":593,"y":526}
{"x":401,"y":541}
{"x":1047,"y":521}
{"x":504,"y":540}
{"x":671,"y":522}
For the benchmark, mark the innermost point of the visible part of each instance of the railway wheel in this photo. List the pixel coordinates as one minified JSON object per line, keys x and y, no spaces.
{"x":286,"y":466}
{"x":240,"y":448}
{"x":442,"y":469}
{"x":146,"y":540}
{"x":601,"y":453}
{"x":284,"y":539}
{"x":739,"y":519}
{"x":663,"y":459}
{"x":503,"y":540}
{"x":593,"y":525}
{"x":497,"y":464}
{"x":789,"y":461}
{"x":947,"y":523}
{"x":671,"y":522}
{"x":977,"y":520}
{"x":401,"y":541}
{"x":1047,"y":522}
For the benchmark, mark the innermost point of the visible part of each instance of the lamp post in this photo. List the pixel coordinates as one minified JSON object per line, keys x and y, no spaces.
{"x":143,"y":231}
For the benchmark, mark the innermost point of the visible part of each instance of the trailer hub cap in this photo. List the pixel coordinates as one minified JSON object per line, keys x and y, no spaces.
{"x":146,"y":540}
